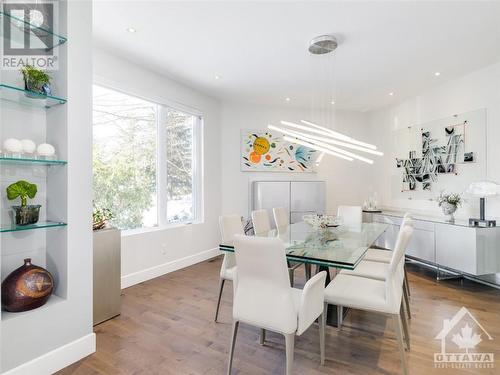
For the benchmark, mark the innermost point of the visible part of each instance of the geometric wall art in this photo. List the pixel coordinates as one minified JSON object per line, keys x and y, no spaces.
{"x":266,"y":151}
{"x":437,"y":154}
{"x":435,"y":158}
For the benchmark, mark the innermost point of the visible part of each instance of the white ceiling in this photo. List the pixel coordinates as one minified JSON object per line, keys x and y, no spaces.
{"x":260,"y":48}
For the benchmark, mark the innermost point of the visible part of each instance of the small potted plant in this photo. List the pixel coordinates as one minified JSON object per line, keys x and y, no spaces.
{"x":100,"y":218}
{"x":449,"y":202}
{"x":24,"y":214}
{"x":36,"y":80}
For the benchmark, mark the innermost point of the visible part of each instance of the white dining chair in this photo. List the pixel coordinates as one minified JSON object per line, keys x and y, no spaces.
{"x":282,"y":222}
{"x":229,"y":225}
{"x":379,"y":270}
{"x":383,"y":297}
{"x":261,"y":223}
{"x":351,"y":216}
{"x":262,"y":227}
{"x":281,"y":218}
{"x":384,"y":256}
{"x":263,"y":297}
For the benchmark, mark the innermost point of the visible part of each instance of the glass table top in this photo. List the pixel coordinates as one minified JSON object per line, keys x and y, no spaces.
{"x":340,"y":247}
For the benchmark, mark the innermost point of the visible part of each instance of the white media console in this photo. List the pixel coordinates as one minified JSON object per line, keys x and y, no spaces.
{"x":455,"y":246}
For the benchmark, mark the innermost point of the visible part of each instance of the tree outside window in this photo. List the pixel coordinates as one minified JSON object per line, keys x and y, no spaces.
{"x":128,"y":161}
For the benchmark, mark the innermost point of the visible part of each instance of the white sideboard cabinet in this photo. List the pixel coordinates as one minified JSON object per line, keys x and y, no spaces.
{"x":457,"y":246}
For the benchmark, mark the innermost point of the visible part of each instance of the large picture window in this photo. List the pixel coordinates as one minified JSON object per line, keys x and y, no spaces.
{"x":179,"y":129}
{"x":146,"y":160}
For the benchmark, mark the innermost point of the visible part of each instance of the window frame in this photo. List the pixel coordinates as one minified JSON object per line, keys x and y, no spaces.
{"x":162,"y":169}
{"x":161,"y":164}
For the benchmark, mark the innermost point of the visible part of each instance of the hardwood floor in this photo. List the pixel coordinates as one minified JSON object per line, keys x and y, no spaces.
{"x":167,"y":327}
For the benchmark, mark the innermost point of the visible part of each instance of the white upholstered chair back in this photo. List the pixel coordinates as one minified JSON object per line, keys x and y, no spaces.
{"x":281,"y":218}
{"x":229,"y":225}
{"x":263,"y":296}
{"x":261,"y":223}
{"x":394,"y":280}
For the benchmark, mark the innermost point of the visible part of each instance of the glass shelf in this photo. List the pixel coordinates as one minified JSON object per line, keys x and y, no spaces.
{"x":39,"y":225}
{"x":45,"y":36}
{"x":29,"y":98}
{"x":9,"y":160}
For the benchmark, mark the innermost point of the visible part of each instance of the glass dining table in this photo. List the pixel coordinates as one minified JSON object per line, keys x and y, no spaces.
{"x":341,"y":247}
{"x":336,"y":247}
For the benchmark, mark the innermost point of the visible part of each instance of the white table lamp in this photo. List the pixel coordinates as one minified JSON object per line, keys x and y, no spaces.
{"x":481,"y":190}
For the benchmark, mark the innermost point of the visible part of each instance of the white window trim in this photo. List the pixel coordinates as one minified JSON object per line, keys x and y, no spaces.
{"x":161,"y":175}
{"x":122,"y":87}
{"x":198,"y":168}
{"x":197,"y":159}
{"x":161,"y":168}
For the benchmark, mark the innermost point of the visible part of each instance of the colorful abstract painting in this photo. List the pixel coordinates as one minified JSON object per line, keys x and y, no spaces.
{"x":266,"y":151}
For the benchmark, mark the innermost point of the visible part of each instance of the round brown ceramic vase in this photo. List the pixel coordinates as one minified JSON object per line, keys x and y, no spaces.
{"x":26,"y":288}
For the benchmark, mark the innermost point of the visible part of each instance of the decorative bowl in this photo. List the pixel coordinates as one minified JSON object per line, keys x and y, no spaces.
{"x":322,"y":221}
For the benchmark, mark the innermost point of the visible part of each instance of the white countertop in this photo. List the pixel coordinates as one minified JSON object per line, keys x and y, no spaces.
{"x":423,"y":217}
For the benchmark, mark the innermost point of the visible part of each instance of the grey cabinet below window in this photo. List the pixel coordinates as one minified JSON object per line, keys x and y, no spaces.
{"x":107,"y":274}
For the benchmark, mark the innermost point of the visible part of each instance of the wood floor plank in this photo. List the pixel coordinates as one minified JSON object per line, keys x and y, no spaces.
{"x":166,"y":327}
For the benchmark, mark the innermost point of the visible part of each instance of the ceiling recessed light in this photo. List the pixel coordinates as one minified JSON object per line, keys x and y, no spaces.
{"x":217,"y":76}
{"x":391,"y":94}
{"x":287,"y":99}
{"x":333,"y":101}
{"x":131,"y":29}
{"x":437,"y":74}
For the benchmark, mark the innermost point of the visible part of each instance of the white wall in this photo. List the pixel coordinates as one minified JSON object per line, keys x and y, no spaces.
{"x":53,"y":336}
{"x":347,"y":182}
{"x":154,"y":252}
{"x":480,"y":89}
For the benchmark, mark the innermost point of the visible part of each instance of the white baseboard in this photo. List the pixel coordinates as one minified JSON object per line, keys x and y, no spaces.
{"x":57,"y":359}
{"x":162,"y":269}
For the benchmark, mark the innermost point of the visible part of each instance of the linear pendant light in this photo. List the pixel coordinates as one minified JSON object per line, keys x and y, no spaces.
{"x":315,"y":147}
{"x":340,"y":135}
{"x":328,"y":133}
{"x":324,"y":142}
{"x":332,"y":148}
{"x":335,"y":142}
{"x":322,"y":138}
{"x":323,"y":145}
{"x":306,"y":128}
{"x":331,"y":132}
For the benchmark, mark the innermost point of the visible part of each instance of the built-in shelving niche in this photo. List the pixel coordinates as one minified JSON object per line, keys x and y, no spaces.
{"x":43,"y":119}
{"x":44,"y":242}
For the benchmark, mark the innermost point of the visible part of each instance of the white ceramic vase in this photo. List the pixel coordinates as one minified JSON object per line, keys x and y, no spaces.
{"x":448,"y":210}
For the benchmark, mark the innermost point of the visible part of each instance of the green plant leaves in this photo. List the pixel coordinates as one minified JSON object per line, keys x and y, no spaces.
{"x":22,"y":189}
{"x":101,"y":214}
{"x":35,"y":76}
